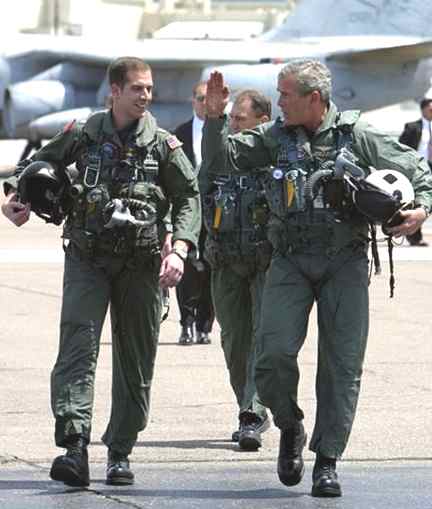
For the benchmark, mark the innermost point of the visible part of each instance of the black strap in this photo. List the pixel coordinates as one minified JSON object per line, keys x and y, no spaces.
{"x":374,"y":249}
{"x":390,"y":252}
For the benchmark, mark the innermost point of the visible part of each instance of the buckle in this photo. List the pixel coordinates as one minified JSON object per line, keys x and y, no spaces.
{"x":242,"y":181}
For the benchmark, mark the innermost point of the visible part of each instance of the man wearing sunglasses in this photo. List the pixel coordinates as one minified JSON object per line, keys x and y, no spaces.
{"x":193,"y":291}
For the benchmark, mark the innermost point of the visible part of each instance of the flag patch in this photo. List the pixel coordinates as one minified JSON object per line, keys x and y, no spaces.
{"x":173,"y":142}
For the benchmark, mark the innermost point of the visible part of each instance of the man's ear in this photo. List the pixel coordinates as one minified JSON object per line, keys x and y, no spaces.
{"x":264,"y":119}
{"x":315,"y":97}
{"x":115,"y":90}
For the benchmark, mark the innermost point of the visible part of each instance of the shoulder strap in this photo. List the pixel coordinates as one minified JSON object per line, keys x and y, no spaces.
{"x":344,"y":128}
{"x":93,"y":129}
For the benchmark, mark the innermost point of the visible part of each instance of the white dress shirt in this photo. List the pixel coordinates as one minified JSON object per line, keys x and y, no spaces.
{"x":197,"y":125}
{"x":425,"y":139}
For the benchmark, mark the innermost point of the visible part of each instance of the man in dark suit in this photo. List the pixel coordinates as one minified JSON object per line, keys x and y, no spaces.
{"x":418,"y":135}
{"x":193,"y":291}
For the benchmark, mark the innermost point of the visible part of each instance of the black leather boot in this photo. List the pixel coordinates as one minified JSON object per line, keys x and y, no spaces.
{"x":324,"y":477}
{"x":118,"y":469}
{"x":202,"y":338}
{"x":72,"y":468}
{"x":290,"y":462}
{"x":187,"y":335}
{"x":251,"y":427}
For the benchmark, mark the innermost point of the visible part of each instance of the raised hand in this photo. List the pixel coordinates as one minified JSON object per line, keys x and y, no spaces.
{"x":217,"y":95}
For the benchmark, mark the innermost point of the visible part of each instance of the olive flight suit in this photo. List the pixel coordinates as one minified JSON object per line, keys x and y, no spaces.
{"x":239,"y":254}
{"x":119,"y":266}
{"x":320,"y":254}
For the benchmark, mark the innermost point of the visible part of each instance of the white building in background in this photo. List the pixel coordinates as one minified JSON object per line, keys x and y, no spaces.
{"x":133,"y":19}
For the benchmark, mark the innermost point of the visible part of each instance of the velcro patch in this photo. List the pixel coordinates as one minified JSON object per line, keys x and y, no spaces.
{"x":173,"y":142}
{"x":69,"y":126}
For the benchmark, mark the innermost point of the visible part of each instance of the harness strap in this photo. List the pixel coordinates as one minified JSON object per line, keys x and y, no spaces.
{"x":390,"y":252}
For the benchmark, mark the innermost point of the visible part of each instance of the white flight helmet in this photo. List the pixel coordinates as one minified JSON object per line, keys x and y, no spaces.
{"x":394,"y":183}
{"x":382,"y":194}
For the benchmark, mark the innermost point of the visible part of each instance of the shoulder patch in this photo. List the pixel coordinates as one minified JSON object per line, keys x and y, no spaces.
{"x":173,"y":142}
{"x":69,"y":126}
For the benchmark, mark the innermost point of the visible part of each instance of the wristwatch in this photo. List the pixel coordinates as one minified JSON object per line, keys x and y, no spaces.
{"x":182,"y":253}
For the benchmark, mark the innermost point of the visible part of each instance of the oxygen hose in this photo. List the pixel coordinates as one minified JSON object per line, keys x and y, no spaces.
{"x":149,"y":211}
{"x":325,"y":171}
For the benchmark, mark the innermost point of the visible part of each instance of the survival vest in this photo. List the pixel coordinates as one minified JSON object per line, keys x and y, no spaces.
{"x":108,"y":171}
{"x":299,"y":219}
{"x":235,"y":215}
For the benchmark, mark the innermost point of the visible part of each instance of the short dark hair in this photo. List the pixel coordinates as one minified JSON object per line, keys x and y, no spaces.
{"x":197,"y":86}
{"x":260,"y":103}
{"x":118,"y":69}
{"x":425,"y":102}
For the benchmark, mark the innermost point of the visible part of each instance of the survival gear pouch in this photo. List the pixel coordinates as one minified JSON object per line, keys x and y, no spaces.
{"x":285,"y":183}
{"x":221,"y":205}
{"x":236,"y":214}
{"x":235,"y":203}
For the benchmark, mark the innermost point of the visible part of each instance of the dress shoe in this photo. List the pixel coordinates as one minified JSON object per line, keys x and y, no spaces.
{"x":72,"y":468}
{"x":118,"y":469}
{"x":324,"y":477}
{"x":203,"y":338}
{"x":186,"y":336}
{"x":290,"y":466}
{"x":251,"y":427}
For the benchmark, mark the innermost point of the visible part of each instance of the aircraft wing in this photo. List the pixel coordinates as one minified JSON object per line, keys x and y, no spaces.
{"x":393,"y":54}
{"x":372,"y":48}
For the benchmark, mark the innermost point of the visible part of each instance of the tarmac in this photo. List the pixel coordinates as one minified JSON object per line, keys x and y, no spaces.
{"x":185,"y":459}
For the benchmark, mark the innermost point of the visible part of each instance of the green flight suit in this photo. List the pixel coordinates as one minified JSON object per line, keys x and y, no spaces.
{"x":117,"y":267}
{"x":237,"y":282}
{"x":237,"y":295}
{"x":317,"y":257}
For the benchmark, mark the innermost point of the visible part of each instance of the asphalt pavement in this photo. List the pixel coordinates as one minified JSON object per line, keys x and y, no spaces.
{"x":184,"y":459}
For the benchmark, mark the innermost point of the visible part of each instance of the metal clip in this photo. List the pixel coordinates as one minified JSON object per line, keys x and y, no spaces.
{"x":91,"y":175}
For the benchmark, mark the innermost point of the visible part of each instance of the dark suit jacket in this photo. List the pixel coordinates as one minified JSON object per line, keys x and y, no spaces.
{"x":411,"y":134}
{"x":184,"y":134}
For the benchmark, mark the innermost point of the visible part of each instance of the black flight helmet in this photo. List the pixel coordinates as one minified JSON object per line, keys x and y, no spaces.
{"x":43,"y":186}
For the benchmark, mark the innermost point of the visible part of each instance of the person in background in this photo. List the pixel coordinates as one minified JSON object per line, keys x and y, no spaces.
{"x":193,"y":291}
{"x":418,"y":135}
{"x":235,"y":212}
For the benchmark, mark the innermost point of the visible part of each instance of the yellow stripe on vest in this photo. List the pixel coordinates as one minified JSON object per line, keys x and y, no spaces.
{"x":217,"y":217}
{"x":290,"y":191}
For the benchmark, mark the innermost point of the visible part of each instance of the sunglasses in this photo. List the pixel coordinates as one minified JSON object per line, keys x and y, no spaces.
{"x":200,"y":98}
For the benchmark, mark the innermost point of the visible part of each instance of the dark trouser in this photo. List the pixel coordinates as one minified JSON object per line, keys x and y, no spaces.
{"x":237,"y":302}
{"x":194,"y":296}
{"x":340,"y":288}
{"x":130,"y":286}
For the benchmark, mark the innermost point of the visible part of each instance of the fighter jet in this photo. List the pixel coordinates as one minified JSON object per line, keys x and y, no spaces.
{"x":379,"y":53}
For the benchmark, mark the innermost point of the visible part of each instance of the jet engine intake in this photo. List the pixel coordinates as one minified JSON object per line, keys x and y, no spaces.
{"x":28,"y":100}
